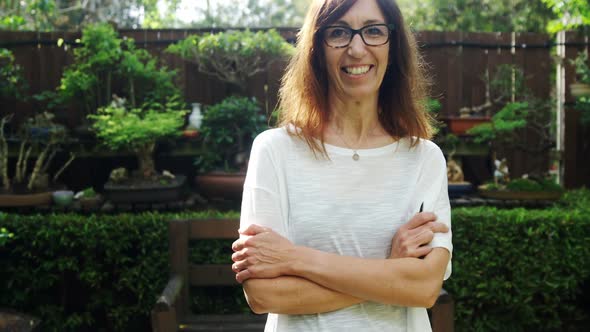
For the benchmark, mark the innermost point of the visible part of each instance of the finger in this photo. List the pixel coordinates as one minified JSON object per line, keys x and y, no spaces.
{"x":439,"y":227}
{"x":253,"y":229}
{"x":243,"y":276}
{"x":242,"y":254}
{"x":424,"y":237}
{"x":422,"y":251}
{"x":420,"y":219}
{"x":240,"y":243}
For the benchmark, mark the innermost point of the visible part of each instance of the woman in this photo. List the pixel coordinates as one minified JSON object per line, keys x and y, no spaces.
{"x":331,"y":234}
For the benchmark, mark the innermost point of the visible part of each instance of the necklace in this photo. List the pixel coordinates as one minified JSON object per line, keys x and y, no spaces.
{"x":355,"y":155}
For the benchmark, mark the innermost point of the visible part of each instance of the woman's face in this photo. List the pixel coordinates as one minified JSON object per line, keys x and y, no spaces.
{"x":355,"y":72}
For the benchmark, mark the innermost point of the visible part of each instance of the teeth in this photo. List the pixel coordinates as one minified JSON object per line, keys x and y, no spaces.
{"x":357,"y":70}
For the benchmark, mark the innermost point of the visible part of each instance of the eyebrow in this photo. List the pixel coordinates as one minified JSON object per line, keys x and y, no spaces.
{"x":365,"y":23}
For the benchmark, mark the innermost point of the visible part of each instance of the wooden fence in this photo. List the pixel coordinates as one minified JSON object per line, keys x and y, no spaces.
{"x":457,"y":63}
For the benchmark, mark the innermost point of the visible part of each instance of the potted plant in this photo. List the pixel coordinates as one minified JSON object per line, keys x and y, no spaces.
{"x":105,"y":67}
{"x":89,"y":199}
{"x":581,"y":88}
{"x":518,"y":116}
{"x":233,"y":56}
{"x":227,"y":132}
{"x":229,"y":127}
{"x":138,"y":129}
{"x":31,"y":185}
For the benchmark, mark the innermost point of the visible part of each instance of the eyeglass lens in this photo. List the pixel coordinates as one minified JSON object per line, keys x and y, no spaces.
{"x":341,"y":36}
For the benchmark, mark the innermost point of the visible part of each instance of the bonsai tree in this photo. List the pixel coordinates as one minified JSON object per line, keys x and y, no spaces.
{"x":228,"y":130}
{"x":105,"y":64}
{"x":39,"y":134}
{"x":233,"y":56}
{"x":519,"y":115}
{"x":139,"y":129}
{"x":12,"y":84}
{"x":229,"y":127}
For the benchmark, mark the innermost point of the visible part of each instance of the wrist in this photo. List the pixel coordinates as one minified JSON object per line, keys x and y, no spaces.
{"x":299,"y":262}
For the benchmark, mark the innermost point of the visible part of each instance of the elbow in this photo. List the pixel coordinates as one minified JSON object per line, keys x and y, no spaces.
{"x":432,"y":295}
{"x":257,"y":300}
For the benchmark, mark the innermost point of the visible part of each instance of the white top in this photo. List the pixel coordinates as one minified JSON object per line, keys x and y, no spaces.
{"x":346,"y":207}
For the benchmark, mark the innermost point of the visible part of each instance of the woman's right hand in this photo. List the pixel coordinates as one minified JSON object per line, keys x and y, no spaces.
{"x":411,"y":238}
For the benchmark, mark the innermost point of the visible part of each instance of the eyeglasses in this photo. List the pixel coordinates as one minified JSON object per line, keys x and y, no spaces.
{"x":372,"y":35}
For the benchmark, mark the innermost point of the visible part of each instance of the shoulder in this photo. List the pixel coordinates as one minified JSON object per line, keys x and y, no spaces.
{"x":421,"y":147}
{"x":272,"y":138}
{"x":273,"y":142}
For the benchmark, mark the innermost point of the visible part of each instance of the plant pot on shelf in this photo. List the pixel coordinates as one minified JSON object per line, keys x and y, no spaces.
{"x":63,"y":197}
{"x":145,"y":192}
{"x":520,"y":195}
{"x":221,"y":185}
{"x":20,"y":200}
{"x":90,"y":203}
{"x":580,"y":89}
{"x":460,"y":125}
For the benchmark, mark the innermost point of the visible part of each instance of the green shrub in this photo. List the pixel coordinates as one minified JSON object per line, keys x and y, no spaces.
{"x":96,"y":273}
{"x":519,"y":270}
{"x":513,"y":270}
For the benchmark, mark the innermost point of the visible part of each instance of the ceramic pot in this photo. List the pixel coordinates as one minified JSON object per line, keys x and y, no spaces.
{"x":63,"y":197}
{"x":460,"y":126}
{"x":221,"y":185}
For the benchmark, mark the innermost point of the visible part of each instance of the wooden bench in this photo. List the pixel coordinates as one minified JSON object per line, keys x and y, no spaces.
{"x":171,"y":312}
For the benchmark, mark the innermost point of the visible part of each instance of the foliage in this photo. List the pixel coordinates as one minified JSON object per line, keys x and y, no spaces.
{"x":12,"y":83}
{"x":5,"y":234}
{"x":103,"y":62}
{"x":80,"y":272}
{"x":570,"y":14}
{"x":53,"y":15}
{"x":513,"y":270}
{"x":520,"y":114}
{"x":41,"y":134}
{"x":520,"y":270}
{"x":233,"y":56}
{"x":477,"y":15}
{"x":139,"y":129}
{"x":253,"y":13}
{"x":503,"y":125}
{"x":89,"y":193}
{"x":581,"y":68}
{"x":119,"y":128}
{"x":583,"y":105}
{"x":228,"y":129}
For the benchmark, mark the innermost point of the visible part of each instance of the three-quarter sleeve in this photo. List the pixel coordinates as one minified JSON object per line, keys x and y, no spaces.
{"x":434,"y":189}
{"x":261,"y":198}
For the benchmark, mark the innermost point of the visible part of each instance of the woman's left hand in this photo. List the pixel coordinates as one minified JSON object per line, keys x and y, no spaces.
{"x":261,"y":252}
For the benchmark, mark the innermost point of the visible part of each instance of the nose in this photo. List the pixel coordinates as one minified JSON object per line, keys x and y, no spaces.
{"x":357,"y":47}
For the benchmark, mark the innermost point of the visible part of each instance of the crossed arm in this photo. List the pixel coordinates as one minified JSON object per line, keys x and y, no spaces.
{"x":280,"y":277}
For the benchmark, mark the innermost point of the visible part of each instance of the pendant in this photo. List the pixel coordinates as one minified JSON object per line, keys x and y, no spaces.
{"x":355,"y":156}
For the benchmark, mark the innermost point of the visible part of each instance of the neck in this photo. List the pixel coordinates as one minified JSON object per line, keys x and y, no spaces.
{"x":354,"y":121}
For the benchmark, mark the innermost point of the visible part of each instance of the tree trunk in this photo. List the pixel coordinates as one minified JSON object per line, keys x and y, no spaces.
{"x":146,"y":160}
{"x":4,"y":157}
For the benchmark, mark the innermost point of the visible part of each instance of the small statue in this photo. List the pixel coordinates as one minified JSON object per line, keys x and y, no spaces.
{"x":501,"y":174}
{"x":454,"y":172}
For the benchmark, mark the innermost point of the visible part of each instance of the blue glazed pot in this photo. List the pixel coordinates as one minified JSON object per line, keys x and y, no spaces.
{"x":63,"y":197}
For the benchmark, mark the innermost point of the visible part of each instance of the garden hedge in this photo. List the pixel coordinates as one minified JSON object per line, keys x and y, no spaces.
{"x":513,"y":270}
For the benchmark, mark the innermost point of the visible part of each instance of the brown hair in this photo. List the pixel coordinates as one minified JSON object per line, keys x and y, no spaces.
{"x":304,"y":87}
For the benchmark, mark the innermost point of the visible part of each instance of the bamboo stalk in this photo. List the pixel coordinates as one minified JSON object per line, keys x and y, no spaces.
{"x":21,"y":154}
{"x":48,"y":161}
{"x":58,"y":173}
{"x":25,"y":164}
{"x":37,"y":168}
